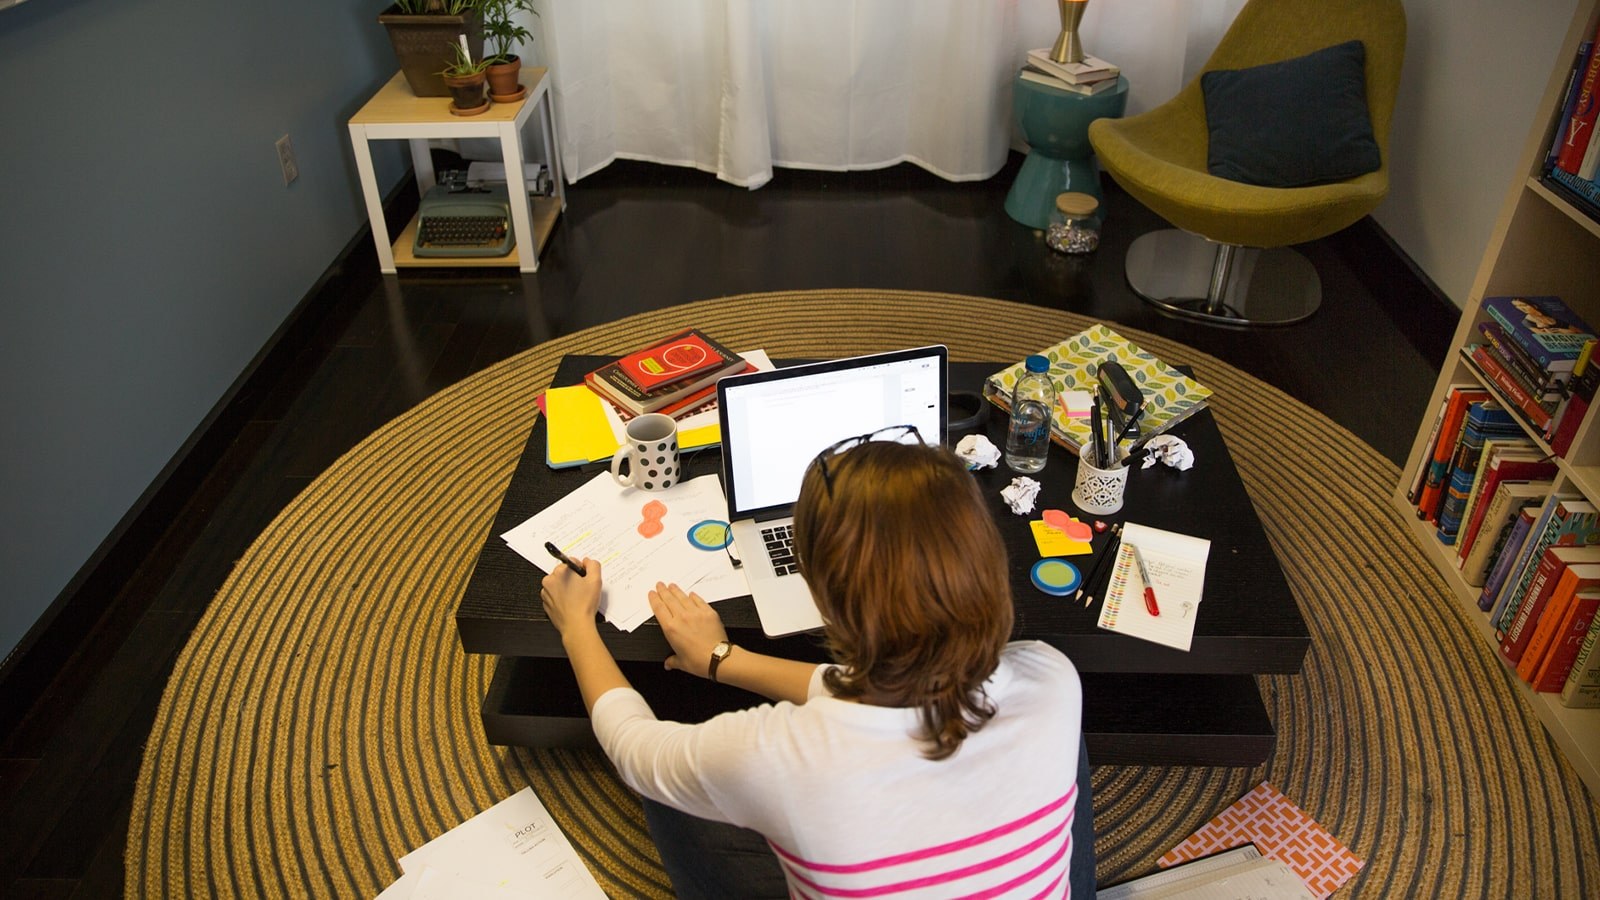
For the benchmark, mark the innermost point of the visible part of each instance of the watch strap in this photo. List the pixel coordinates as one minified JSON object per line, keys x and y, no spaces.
{"x":718,"y":653}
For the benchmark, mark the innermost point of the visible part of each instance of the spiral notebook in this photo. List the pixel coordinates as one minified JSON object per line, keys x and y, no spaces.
{"x":1177,"y":564}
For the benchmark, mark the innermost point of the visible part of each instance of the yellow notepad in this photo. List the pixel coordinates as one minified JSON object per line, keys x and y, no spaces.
{"x":582,"y":428}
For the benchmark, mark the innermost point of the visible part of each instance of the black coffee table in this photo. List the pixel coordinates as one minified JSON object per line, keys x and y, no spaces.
{"x":1143,"y":703}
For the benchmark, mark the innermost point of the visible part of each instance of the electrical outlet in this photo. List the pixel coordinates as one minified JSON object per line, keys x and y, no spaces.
{"x":291,"y":170}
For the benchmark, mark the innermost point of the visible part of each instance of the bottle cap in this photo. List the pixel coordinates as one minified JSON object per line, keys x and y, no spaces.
{"x":1074,"y":203}
{"x":1037,"y":363}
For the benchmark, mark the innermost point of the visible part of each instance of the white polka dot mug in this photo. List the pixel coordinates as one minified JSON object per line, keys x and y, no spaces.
{"x":651,"y":454}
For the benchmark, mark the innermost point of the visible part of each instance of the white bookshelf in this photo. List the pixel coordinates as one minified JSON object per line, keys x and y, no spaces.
{"x":1541,"y":244}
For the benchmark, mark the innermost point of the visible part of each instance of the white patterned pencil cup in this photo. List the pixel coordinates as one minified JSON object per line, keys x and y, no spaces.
{"x":1099,"y":491}
{"x":651,"y":453}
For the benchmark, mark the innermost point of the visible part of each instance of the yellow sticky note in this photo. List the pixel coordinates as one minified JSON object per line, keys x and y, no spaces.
{"x":1056,"y":543}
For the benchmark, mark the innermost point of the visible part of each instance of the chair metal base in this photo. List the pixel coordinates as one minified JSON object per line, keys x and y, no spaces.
{"x":1222,"y":284}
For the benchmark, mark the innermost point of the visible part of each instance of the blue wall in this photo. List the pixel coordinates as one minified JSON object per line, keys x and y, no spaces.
{"x":148,"y":245}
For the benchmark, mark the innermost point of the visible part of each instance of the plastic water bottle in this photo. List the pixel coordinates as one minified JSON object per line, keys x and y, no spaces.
{"x":1028,"y":440}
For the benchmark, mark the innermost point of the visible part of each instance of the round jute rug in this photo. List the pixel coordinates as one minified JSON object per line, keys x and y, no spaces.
{"x":323,"y":720}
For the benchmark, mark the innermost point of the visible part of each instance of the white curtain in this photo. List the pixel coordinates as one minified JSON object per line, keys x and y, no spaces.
{"x":736,"y":87}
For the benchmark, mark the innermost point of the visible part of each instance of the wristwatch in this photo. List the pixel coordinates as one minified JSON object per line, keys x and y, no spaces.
{"x":718,"y":654}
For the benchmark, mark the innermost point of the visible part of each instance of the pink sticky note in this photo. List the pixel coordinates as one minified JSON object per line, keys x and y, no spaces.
{"x":1067,"y":525}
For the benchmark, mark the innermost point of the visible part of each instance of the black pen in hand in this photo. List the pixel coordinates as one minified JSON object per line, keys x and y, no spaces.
{"x":571,"y":563}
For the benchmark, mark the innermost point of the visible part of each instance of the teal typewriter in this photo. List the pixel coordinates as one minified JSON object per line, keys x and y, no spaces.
{"x":454,"y":220}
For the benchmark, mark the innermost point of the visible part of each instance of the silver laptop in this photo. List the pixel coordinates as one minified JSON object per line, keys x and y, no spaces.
{"x":775,"y":423}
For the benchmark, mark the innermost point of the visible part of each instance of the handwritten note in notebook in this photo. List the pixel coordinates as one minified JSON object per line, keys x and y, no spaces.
{"x":1177,"y":564}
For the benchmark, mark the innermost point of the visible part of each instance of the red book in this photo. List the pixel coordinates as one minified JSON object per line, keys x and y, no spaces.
{"x":678,"y":358}
{"x":1506,"y":466}
{"x":1438,"y":466}
{"x":1553,"y":566}
{"x":1581,"y":123}
{"x":1567,"y":641}
{"x":1513,"y":391}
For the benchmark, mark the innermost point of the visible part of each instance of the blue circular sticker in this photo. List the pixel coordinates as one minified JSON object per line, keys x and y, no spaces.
{"x":1056,"y":577}
{"x":710,"y":535}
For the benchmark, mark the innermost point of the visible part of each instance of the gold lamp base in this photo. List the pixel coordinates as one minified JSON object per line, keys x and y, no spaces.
{"x":1068,"y":49}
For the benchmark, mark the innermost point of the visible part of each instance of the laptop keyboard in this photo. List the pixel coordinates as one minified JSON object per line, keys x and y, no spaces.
{"x":780,"y":548}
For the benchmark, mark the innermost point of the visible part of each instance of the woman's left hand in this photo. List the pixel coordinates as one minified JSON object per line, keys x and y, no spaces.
{"x":571,"y":599}
{"x":689,"y":624}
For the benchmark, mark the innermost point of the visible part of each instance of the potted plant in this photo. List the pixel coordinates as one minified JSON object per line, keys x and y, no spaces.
{"x":465,"y":78}
{"x":503,"y":35}
{"x":423,"y":31}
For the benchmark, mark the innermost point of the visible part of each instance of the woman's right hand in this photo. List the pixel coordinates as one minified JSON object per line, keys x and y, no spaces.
{"x":690,"y":625}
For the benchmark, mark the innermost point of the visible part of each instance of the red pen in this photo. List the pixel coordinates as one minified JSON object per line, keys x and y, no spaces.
{"x":1144,"y":576}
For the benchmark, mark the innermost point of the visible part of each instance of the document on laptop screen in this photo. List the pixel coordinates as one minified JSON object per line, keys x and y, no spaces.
{"x":780,"y":426}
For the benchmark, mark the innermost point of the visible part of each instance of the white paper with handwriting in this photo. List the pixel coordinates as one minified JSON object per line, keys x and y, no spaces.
{"x":1177,"y":564}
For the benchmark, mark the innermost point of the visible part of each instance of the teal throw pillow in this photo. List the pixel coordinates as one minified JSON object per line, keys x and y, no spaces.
{"x":1294,"y":123}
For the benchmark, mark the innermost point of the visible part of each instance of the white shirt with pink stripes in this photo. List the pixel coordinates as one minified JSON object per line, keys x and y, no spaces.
{"x":843,"y":794}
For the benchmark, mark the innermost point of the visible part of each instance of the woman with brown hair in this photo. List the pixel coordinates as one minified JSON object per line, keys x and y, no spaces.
{"x":930,"y":758}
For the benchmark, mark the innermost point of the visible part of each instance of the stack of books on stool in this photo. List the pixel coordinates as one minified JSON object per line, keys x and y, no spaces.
{"x":1091,"y":76}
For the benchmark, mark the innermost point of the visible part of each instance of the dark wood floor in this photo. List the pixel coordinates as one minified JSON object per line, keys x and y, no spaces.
{"x":76,"y":710}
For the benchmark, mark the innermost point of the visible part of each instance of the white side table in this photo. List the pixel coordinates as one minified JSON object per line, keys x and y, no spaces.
{"x":394,"y":113}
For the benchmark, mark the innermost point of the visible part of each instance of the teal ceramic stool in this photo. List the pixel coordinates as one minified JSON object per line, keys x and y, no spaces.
{"x":1056,"y":125}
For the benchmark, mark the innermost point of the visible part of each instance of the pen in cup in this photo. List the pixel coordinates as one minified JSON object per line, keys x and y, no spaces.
{"x":571,"y":563}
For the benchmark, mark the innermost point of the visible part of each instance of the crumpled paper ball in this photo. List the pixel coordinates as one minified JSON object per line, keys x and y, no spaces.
{"x":1020,"y":494}
{"x":978,"y":452}
{"x":1168,"y":450}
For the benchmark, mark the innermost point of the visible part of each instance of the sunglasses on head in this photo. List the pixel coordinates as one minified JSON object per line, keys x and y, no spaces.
{"x":895,"y":433}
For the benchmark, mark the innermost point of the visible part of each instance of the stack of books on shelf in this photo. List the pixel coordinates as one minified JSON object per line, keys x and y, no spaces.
{"x":1535,"y":354}
{"x":1091,"y":76}
{"x":1542,"y":597}
{"x":676,"y":376}
{"x":1573,"y":159}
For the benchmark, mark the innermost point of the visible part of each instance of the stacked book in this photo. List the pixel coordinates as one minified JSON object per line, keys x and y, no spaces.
{"x":1091,"y":76}
{"x":1573,"y":159}
{"x":1543,"y":596}
{"x":1535,"y":353}
{"x":676,"y":376}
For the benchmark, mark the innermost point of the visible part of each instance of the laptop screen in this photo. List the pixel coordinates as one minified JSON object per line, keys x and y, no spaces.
{"x":775,"y":423}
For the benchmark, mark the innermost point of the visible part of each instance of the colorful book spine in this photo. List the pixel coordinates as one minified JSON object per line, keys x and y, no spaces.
{"x":1562,"y":572}
{"x":1438,"y":467}
{"x":1581,"y":121}
{"x":1566,"y":643}
{"x":1575,"y":591}
{"x":1582,"y":688}
{"x":1540,"y":384}
{"x":1515,"y":393}
{"x":1574,"y":87}
{"x":1572,"y":521}
{"x":1511,"y":498}
{"x":1544,"y":326}
{"x":1585,"y":379}
{"x":1414,"y":493}
{"x":1506,"y":558}
{"x":1485,"y":419}
{"x":1508,"y":460}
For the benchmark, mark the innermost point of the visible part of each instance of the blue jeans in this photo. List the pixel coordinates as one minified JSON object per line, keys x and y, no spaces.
{"x":719,"y":861}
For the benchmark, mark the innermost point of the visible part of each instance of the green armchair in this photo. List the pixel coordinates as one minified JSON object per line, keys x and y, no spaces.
{"x":1229,"y":260}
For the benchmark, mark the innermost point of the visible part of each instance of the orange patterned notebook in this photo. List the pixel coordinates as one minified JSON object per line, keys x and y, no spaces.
{"x":1283,"y":831}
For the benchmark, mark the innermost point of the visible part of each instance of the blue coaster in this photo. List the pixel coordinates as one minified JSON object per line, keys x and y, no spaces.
{"x":710,"y":535}
{"x":1056,"y":577}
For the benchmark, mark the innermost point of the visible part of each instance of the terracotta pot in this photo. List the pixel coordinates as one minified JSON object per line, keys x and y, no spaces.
{"x":503,"y":78}
{"x":422,"y":45}
{"x":466,"y":91}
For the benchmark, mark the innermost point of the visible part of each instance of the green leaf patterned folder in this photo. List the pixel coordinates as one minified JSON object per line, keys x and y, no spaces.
{"x":1169,"y":395}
